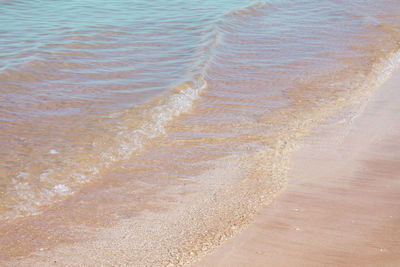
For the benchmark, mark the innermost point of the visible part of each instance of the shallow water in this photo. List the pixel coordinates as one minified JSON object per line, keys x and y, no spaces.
{"x":123,"y":107}
{"x":74,"y":80}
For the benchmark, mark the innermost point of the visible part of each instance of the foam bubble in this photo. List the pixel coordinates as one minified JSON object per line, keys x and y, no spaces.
{"x":53,"y":151}
{"x":61,"y":189}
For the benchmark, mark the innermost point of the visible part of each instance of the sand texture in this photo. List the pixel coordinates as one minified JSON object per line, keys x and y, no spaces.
{"x":342,"y":204}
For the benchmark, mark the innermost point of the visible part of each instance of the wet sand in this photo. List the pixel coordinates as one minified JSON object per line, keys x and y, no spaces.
{"x":341,"y":206}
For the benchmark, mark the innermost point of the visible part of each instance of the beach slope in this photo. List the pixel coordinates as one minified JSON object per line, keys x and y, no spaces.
{"x":341,"y":206}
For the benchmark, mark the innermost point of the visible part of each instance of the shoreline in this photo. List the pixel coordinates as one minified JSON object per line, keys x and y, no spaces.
{"x":307,"y":224}
{"x":175,"y":139}
{"x":341,"y":203}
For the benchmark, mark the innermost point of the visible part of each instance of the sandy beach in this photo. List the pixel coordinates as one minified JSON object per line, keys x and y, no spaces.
{"x":341,"y":206}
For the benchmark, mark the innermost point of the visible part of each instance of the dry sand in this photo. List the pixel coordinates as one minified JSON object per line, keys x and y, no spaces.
{"x":342,"y":204}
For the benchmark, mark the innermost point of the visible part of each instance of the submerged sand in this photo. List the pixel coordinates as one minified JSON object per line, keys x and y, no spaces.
{"x":341,"y":206}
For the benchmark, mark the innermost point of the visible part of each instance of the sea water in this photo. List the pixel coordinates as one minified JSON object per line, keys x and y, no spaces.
{"x":112,"y":108}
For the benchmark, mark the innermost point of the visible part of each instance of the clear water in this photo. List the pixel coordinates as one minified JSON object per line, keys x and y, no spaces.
{"x":128,"y":96}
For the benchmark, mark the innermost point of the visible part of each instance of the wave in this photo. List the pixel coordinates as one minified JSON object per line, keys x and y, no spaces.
{"x":118,"y":136}
{"x":134,"y":128}
{"x":251,"y":9}
{"x":59,"y":172}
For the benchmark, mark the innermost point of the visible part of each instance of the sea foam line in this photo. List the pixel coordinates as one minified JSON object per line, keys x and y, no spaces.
{"x":126,"y":141}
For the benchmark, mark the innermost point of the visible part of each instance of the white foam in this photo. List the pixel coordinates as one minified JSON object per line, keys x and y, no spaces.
{"x":80,"y":177}
{"x":157,"y":119}
{"x":53,"y":151}
{"x":61,"y":189}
